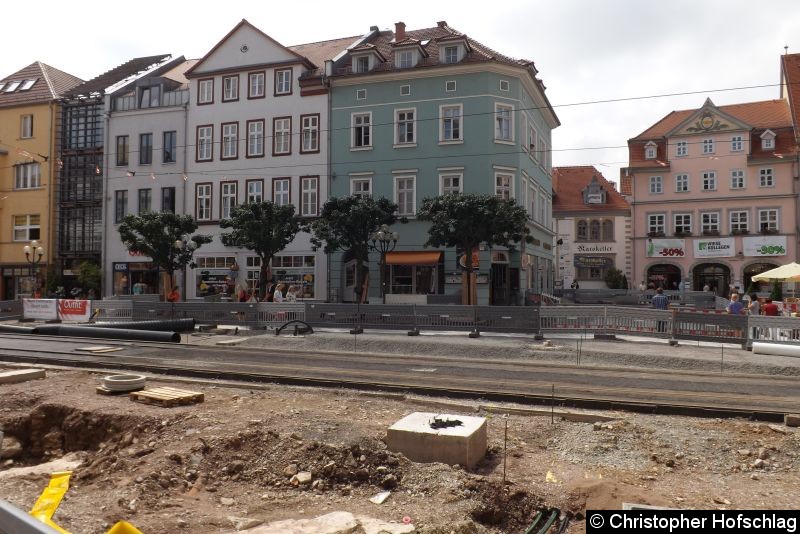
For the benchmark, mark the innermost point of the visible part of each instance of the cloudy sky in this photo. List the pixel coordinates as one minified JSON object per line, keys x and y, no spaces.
{"x":586,"y":50}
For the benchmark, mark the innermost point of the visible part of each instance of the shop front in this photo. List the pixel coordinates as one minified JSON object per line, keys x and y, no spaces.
{"x":714,"y":276}
{"x":139,"y":278}
{"x":20,"y":281}
{"x":410,"y":276}
{"x":215,"y":276}
{"x":591,"y":270}
{"x":755,"y":269}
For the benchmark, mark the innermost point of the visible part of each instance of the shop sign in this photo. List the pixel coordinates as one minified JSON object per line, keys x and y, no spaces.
{"x":120,"y":267}
{"x":583,"y":248}
{"x":714,"y":248}
{"x":588,"y":262}
{"x":666,"y":248}
{"x":455,"y":278}
{"x":476,"y":260}
{"x":137,"y":254}
{"x":74,"y":310}
{"x":765,"y":245}
{"x":44,"y":309}
{"x":594,"y":198}
{"x":50,"y":309}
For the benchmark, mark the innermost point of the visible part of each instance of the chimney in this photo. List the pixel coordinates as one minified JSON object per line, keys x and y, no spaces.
{"x":399,"y":31}
{"x":442,"y":23}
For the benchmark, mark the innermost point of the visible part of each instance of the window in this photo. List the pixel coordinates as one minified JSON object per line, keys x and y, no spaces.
{"x":405,"y":123}
{"x":681,"y":183}
{"x":230,"y":88}
{"x":205,"y":91}
{"x":230,"y":141}
{"x":710,"y":222}
{"x":145,"y":200}
{"x":362,"y":64}
{"x":309,"y":189}
{"x":281,"y":136}
{"x":450,"y":184}
{"x":450,"y":129}
{"x":26,"y":126}
{"x":27,"y":84}
{"x":362,"y":130}
{"x":504,"y":126}
{"x":122,"y":150}
{"x":656,"y":224}
{"x":405,"y":59}
{"x":768,"y":143}
{"x":145,"y":149}
{"x":582,"y":230}
{"x":361,"y":187}
{"x":505,"y":85}
{"x":708,"y":146}
{"x":682,"y":223}
{"x":310,"y":135}
{"x":709,"y":181}
{"x":253,"y":272}
{"x":656,"y":185}
{"x":502,"y":185}
{"x":229,"y":199}
{"x":405,"y":90}
{"x":255,"y":191}
{"x":203,"y":205}
{"x":170,"y":142}
{"x":27,"y":176}
{"x":768,"y":220}
{"x":608,"y":231}
{"x":281,"y":193}
{"x":737,"y":179}
{"x":594,"y":230}
{"x":451,"y":54}
{"x":256,"y":84}
{"x":150,"y":97}
{"x":361,"y":94}
{"x":205,"y":143}
{"x":737,"y":143}
{"x":168,"y":199}
{"x":682,"y":148}
{"x":255,"y":139}
{"x":650,"y":151}
{"x":450,"y":86}
{"x":283,"y":82}
{"x":12,"y":86}
{"x":120,"y":205}
{"x":765,"y":178}
{"x":739,"y":221}
{"x":532,"y":143}
{"x":26,"y":227}
{"x":404,"y":195}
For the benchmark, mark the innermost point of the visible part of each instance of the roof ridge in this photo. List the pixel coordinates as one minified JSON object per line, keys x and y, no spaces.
{"x":324,"y":41}
{"x":46,"y":76}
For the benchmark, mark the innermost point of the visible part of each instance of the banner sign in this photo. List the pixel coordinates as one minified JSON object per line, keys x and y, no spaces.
{"x":42,"y":309}
{"x":581,"y":247}
{"x":720,"y":247}
{"x":766,"y":245}
{"x":666,"y":248}
{"x":586,"y":262}
{"x":74,"y":310}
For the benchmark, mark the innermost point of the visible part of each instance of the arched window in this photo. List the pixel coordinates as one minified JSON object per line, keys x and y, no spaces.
{"x":608,"y":230}
{"x":583,"y":232}
{"x":594,"y":230}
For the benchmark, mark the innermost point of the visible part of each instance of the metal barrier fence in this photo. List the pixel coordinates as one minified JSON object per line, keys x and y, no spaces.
{"x":784,"y":330}
{"x":718,"y":327}
{"x":10,"y":309}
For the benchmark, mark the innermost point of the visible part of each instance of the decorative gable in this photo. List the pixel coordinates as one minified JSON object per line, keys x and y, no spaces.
{"x":650,"y":150}
{"x":594,"y":193}
{"x":708,"y":119}
{"x":767,"y":140}
{"x":452,"y":49}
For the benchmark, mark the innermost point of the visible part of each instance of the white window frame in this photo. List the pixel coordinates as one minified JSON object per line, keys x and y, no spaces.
{"x":404,"y":59}
{"x":682,"y":183}
{"x":310,"y":133}
{"x":283,"y":82}
{"x":361,"y":64}
{"x":766,"y":177}
{"x":450,"y":54}
{"x":741,"y":223}
{"x":229,"y":193}
{"x":26,"y":126}
{"x":502,"y":190}
{"x":505,"y":85}
{"x":255,"y":138}
{"x":282,"y":191}
{"x":357,"y":186}
{"x":26,"y":227}
{"x":656,"y":185}
{"x":27,"y":176}
{"x":708,"y":225}
{"x":533,"y":135}
{"x":685,"y":227}
{"x":361,"y":94}
{"x":403,"y":203}
{"x":410,"y":140}
{"x":709,"y":178}
{"x":445,"y":188}
{"x":230,"y":88}
{"x":503,"y":122}
{"x":737,"y":143}
{"x":205,"y":143}
{"x":204,"y":195}
{"x":256,"y":84}
{"x":681,"y":149}
{"x":708,"y":146}
{"x":255,"y":191}
{"x":457,"y":120}
{"x":205,"y":91}
{"x":309,"y":196}
{"x":356,"y":123}
{"x":650,"y":151}
{"x":230,"y":140}
{"x":767,"y":143}
{"x":450,"y":86}
{"x":772,"y":225}
{"x":738,"y":179}
{"x":405,"y":90}
{"x":282,"y":136}
{"x":657,"y":222}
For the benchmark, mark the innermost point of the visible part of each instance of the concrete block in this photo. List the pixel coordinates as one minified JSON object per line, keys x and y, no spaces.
{"x":21,"y":375}
{"x":791,"y":419}
{"x":464,"y":445}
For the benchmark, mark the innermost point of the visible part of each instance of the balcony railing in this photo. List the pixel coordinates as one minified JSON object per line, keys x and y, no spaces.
{"x":168,"y":99}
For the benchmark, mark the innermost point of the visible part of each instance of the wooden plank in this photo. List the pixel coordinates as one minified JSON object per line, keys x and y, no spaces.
{"x":166,"y":396}
{"x":21,"y":375}
{"x":101,"y":390}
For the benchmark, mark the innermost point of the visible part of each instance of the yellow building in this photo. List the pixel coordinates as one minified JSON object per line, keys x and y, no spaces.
{"x":28,"y":113}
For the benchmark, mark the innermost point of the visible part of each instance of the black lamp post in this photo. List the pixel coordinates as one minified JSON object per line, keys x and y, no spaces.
{"x":384,"y":241}
{"x":33,"y":255}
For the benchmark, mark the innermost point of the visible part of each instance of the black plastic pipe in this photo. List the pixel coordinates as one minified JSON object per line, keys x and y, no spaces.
{"x":108,"y":333}
{"x":170,"y":325}
{"x":12,"y":329}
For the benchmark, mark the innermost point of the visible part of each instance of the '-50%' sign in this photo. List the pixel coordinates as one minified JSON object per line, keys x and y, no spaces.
{"x":666,"y":248}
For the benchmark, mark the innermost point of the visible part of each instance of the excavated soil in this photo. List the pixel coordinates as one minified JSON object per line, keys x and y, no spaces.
{"x":192,"y":468}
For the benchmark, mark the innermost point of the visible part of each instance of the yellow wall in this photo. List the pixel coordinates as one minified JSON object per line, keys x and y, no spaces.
{"x":27,"y":201}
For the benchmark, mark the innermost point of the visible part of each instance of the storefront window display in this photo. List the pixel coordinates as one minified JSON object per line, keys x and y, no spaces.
{"x":213,"y":275}
{"x":139,"y":278}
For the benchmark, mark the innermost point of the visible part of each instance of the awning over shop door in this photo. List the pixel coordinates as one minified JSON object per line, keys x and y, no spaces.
{"x":413,"y":258}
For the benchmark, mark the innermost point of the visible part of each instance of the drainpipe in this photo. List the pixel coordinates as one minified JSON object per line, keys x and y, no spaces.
{"x":104,"y":192}
{"x":184,"y":192}
{"x":329,"y":259}
{"x":50,"y":192}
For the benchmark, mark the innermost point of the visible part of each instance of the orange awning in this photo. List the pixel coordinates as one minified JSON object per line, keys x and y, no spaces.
{"x":413,"y":258}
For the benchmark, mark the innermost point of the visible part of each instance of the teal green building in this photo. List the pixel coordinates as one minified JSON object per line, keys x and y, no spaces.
{"x":416,"y":114}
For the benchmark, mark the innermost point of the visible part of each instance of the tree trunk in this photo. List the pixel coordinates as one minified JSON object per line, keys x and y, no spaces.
{"x":262,"y":278}
{"x":468,"y":282}
{"x":362,"y":281}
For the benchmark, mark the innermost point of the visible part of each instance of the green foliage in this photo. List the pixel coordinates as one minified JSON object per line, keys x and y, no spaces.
{"x":614,"y":279}
{"x":154,"y":234}
{"x":263,"y":227}
{"x":53,"y":279}
{"x":89,"y":276}
{"x":751,"y":288}
{"x":625,"y":284}
{"x":777,"y":291}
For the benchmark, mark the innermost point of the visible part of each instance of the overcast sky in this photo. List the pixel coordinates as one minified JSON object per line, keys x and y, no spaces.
{"x":585,"y":50}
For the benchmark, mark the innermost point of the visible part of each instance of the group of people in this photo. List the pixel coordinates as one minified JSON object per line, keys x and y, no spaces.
{"x":275,"y":293}
{"x":737,"y":307}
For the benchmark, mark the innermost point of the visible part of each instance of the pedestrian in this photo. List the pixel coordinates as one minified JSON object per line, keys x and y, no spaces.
{"x":279,"y":291}
{"x":770,"y":308}
{"x":268,"y":297}
{"x":174,"y":295}
{"x":735,"y":307}
{"x":253,"y":296}
{"x":642,"y":286}
{"x":241,"y":294}
{"x":291,"y":294}
{"x":706,"y":288}
{"x":660,"y":300}
{"x":755,"y":306}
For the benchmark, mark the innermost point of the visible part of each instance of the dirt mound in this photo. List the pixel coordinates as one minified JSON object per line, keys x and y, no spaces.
{"x":608,"y":495}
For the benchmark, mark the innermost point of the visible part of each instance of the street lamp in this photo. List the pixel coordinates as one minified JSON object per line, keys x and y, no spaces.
{"x":33,"y":255}
{"x":384,"y":241}
{"x":182,"y":246}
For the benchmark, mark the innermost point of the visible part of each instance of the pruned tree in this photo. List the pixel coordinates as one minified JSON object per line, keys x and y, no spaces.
{"x":263,"y":227}
{"x":346,"y":224}
{"x":154,"y":234}
{"x":466,"y":221}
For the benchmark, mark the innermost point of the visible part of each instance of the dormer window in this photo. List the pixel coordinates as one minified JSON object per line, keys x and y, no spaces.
{"x":361,"y":64}
{"x":768,"y":140}
{"x":451,"y":54}
{"x":404,"y":59}
{"x":650,"y":150}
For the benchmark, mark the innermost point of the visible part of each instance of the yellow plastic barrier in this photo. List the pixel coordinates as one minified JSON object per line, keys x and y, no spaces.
{"x":47,"y":503}
{"x":123,"y":527}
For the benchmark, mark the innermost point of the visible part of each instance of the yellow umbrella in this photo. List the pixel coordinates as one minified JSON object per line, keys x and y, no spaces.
{"x":790,"y":271}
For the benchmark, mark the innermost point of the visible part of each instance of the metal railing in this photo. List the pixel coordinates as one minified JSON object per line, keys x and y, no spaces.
{"x":784,"y":330}
{"x":10,"y":309}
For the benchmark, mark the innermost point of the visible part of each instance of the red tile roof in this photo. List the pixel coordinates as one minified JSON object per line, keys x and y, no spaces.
{"x":625,"y":183}
{"x":322,"y":51}
{"x":790,"y":67}
{"x":569,"y":183}
{"x":50,"y":83}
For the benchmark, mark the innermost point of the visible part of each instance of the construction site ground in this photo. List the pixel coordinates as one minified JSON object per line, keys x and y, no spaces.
{"x":198,"y":468}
